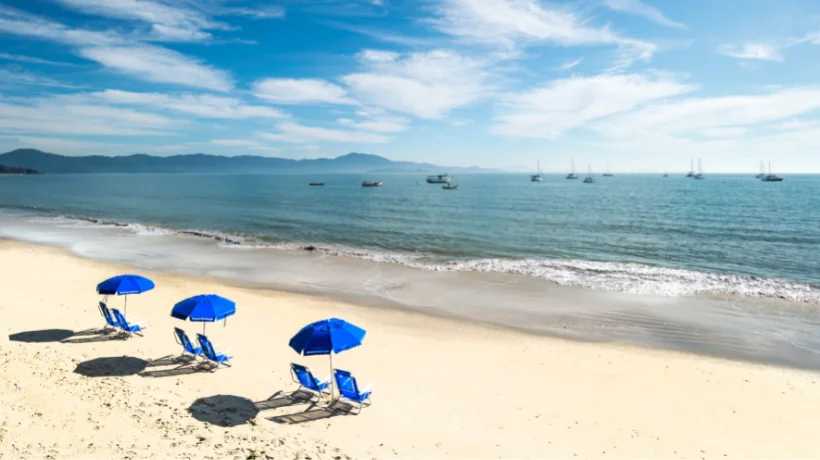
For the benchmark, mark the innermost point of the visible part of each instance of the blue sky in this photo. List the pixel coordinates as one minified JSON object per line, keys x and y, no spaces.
{"x":642,"y":85}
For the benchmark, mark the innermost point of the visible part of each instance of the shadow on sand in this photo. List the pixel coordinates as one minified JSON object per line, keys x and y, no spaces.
{"x":314,"y":413}
{"x":184,"y":365}
{"x":43,"y":336}
{"x":121,"y":366}
{"x":282,"y":399}
{"x":224,"y":410}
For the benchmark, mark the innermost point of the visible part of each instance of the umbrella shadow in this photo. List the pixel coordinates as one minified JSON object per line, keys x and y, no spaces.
{"x":185,"y":364}
{"x":224,"y":410}
{"x":115,"y":366}
{"x":313,"y":413}
{"x":42,"y":336}
{"x":283,"y":399}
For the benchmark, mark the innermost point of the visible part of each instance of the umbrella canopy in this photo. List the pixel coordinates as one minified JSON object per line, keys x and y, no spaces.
{"x":204,"y":308}
{"x":326,"y":336}
{"x":124,"y":285}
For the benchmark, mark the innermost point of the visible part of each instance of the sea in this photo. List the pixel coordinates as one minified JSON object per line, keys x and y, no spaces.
{"x":728,"y":257}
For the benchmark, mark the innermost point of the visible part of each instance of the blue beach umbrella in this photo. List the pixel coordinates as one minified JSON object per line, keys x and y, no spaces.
{"x":125,"y":285}
{"x":327,"y":337}
{"x":204,"y":308}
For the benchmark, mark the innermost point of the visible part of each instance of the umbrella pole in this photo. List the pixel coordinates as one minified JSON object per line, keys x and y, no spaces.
{"x":331,"y":375}
{"x":126,"y":306}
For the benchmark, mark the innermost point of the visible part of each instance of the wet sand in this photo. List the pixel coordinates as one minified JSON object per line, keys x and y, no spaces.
{"x":443,"y":388}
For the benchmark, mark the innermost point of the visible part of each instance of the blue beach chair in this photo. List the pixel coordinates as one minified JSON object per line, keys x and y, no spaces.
{"x":135,"y":328}
{"x":182,"y":338}
{"x":110,"y":321}
{"x":349,"y":389}
{"x":210,"y":354}
{"x":307,"y":381}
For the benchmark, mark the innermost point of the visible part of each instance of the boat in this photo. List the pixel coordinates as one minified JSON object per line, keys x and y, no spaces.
{"x":450,"y":187}
{"x":607,"y":173}
{"x":439,"y":179}
{"x":572,"y":175}
{"x":666,"y":174}
{"x":771,"y":177}
{"x":368,"y":183}
{"x":699,"y":175}
{"x":691,"y":172}
{"x":589,"y":179}
{"x":317,"y":184}
{"x":761,"y":175}
{"x":539,"y":176}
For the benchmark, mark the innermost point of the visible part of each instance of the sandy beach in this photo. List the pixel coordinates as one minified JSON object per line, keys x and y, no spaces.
{"x":442,"y":388}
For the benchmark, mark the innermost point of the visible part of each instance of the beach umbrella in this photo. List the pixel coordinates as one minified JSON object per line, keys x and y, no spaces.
{"x":204,"y":308}
{"x":326,"y":337}
{"x":125,"y":285}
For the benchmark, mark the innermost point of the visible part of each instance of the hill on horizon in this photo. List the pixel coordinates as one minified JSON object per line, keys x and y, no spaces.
{"x":51,"y":163}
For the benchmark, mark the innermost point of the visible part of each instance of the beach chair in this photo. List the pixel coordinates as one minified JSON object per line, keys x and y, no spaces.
{"x":187,"y":347}
{"x":211,"y":355}
{"x":110,"y":321}
{"x":307,"y":381}
{"x":135,"y":328}
{"x":349,"y":389}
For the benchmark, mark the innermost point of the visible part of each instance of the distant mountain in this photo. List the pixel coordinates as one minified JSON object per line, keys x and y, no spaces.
{"x":201,"y":163}
{"x":15,"y":170}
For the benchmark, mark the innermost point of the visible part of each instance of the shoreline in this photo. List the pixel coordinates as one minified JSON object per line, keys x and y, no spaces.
{"x":442,"y":388}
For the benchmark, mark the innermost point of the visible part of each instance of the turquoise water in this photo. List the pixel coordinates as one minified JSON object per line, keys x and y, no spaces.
{"x":630,"y":233}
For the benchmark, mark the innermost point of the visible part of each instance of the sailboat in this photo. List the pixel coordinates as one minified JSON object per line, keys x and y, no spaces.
{"x":761,"y":175}
{"x":589,"y":179}
{"x":691,"y":172}
{"x":572,"y":175}
{"x":607,"y":173}
{"x":539,"y":176}
{"x":699,"y":175}
{"x":771,"y":177}
{"x":666,"y":174}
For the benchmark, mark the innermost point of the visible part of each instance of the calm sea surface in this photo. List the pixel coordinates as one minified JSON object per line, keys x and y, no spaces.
{"x":631,"y":233}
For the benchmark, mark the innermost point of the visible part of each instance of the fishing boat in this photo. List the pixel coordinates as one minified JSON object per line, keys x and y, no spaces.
{"x":368,"y":183}
{"x":607,"y":173}
{"x":699,"y":175}
{"x":771,"y":177}
{"x":762,"y":174}
{"x":450,"y":187}
{"x":589,"y":179}
{"x":691,"y":172}
{"x":317,"y":184}
{"x":539,"y":176}
{"x":572,"y":175}
{"x":439,"y":179}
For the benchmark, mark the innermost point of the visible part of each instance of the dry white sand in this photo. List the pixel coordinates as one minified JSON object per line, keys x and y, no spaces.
{"x":442,"y":388}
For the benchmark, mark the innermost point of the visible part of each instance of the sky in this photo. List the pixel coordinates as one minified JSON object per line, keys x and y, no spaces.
{"x":639,"y":85}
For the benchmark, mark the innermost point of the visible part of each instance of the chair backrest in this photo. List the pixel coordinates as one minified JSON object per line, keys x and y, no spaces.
{"x":304,"y":376}
{"x":346,"y":383}
{"x":120,"y":319}
{"x":107,"y":314}
{"x":182,"y":339}
{"x":207,"y":347}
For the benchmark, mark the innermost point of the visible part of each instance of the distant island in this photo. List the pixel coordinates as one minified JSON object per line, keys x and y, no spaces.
{"x":352,"y":163}
{"x":16,"y":170}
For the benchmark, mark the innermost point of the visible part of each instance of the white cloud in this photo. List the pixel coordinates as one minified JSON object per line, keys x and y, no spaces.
{"x":246,"y":144}
{"x":570,"y":64}
{"x":301,"y":134}
{"x":300,"y":91}
{"x":201,"y":105}
{"x":751,"y":50}
{"x":378,"y":56}
{"x":560,"y":105}
{"x":511,"y":23}
{"x":19,"y":77}
{"x":32,"y":60}
{"x":159,"y":65}
{"x":379,"y":125}
{"x":260,"y":12}
{"x":640,"y":8}
{"x":16,"y":22}
{"x":702,"y":115}
{"x":427,"y":85}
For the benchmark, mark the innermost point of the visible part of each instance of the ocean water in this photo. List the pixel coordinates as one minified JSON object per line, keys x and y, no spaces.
{"x":641,"y":234}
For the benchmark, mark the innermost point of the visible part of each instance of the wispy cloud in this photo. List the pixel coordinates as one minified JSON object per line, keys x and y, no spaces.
{"x":640,"y":8}
{"x":200,"y":105}
{"x":300,"y":91}
{"x":301,"y":134}
{"x":752,"y":50}
{"x":570,"y":64}
{"x":33,"y":60}
{"x":551,"y":110}
{"x":246,"y":144}
{"x":20,"y":77}
{"x":378,"y":124}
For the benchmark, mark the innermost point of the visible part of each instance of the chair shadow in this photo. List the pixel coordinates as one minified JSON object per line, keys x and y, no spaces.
{"x":282,"y":399}
{"x":42,"y":336}
{"x":115,"y":366}
{"x":102,"y":336}
{"x":313,"y":414}
{"x":224,"y":410}
{"x":185,"y":364}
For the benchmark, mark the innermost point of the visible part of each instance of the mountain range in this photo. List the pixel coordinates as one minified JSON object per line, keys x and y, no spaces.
{"x":51,"y":163}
